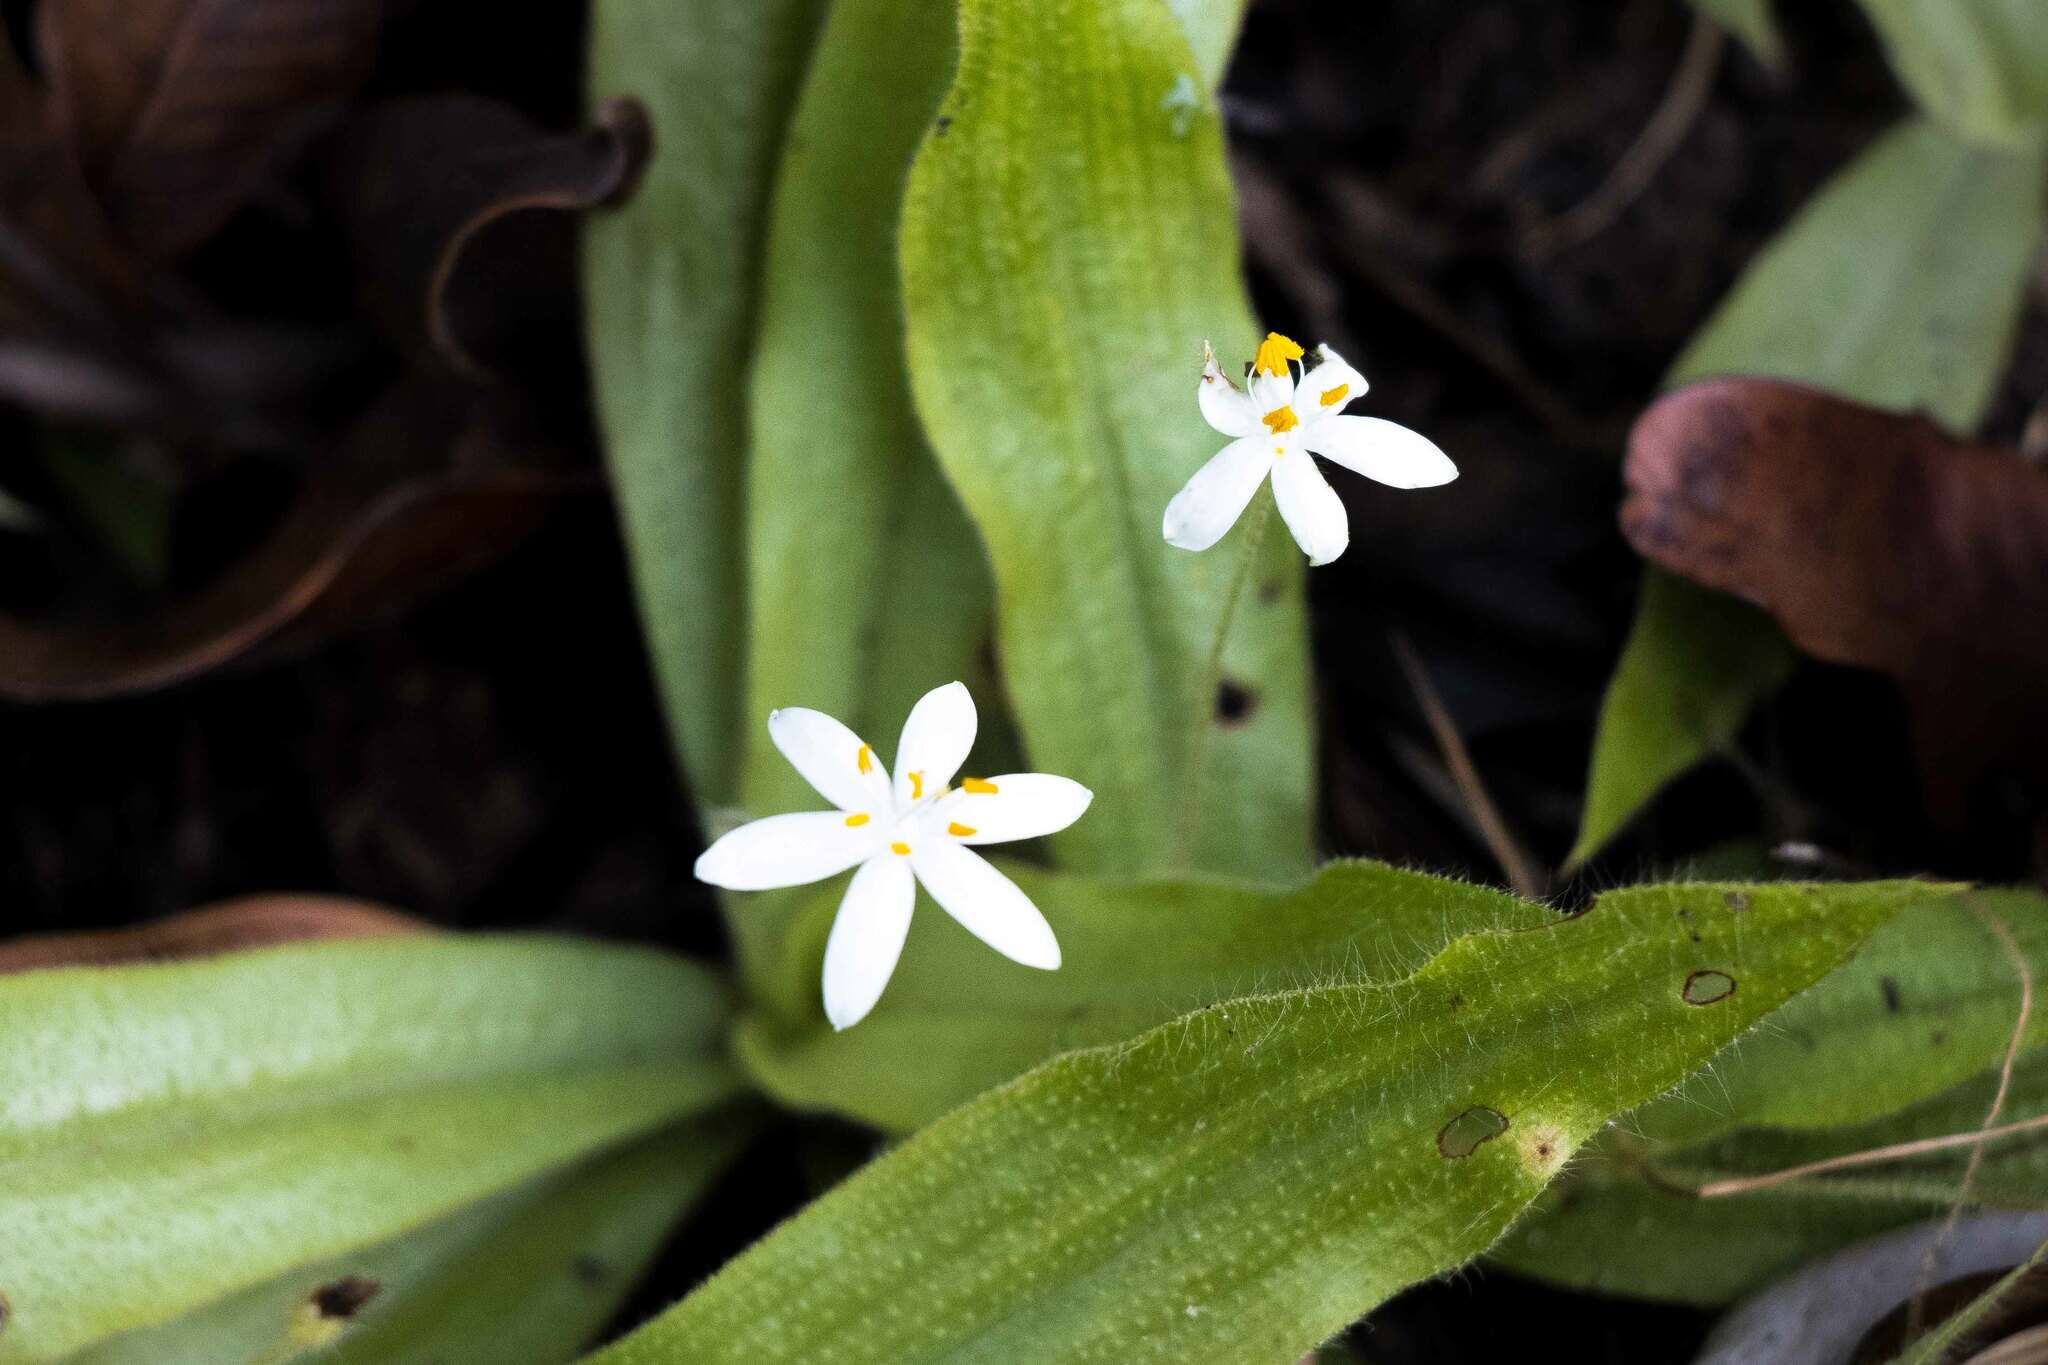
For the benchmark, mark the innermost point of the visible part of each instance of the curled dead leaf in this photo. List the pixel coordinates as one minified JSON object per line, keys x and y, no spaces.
{"x":1875,"y":540}
{"x":250,"y":922}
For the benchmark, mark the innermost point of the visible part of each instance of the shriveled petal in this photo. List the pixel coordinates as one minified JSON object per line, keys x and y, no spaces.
{"x":987,"y":903}
{"x":867,"y":937}
{"x":1225,"y":406}
{"x":788,"y":850}
{"x":1382,"y":450}
{"x":1310,"y":507}
{"x":995,"y":810}
{"x":1213,"y":500}
{"x":833,"y":759}
{"x":1325,"y":389}
{"x":936,"y":738}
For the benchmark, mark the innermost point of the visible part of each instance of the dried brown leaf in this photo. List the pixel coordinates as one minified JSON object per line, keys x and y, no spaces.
{"x":250,"y":922}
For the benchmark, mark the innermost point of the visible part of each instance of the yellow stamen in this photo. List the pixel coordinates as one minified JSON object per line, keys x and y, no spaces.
{"x":958,"y":830}
{"x":1274,"y":353}
{"x":865,"y":759}
{"x":900,"y":850}
{"x":1332,"y":397}
{"x":917,"y":786}
{"x":1281,"y":420}
{"x":856,"y":821}
{"x":980,"y":786}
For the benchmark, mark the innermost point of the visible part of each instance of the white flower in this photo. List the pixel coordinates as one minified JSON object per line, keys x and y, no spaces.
{"x":1277,"y":425}
{"x":898,"y":833}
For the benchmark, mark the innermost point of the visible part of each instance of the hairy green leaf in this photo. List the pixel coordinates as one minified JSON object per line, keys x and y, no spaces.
{"x":958,"y":1019}
{"x":1068,"y":242}
{"x":1900,"y":286}
{"x":1980,"y":66}
{"x":1242,"y":1181}
{"x":529,"y":1276}
{"x":670,"y":282}
{"x":174,"y":1133}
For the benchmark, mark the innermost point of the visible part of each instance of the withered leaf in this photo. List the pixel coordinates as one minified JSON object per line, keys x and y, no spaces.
{"x":175,"y":109}
{"x":249,"y":922}
{"x":1875,"y":540}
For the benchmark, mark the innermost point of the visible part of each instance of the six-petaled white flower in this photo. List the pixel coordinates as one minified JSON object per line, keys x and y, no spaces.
{"x":897,"y":833}
{"x":1277,"y":424}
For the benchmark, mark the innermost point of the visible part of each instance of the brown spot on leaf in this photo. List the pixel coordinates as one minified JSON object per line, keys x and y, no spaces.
{"x":1541,"y":1147}
{"x":1705,"y":987}
{"x":253,"y":922}
{"x":1890,"y":987}
{"x":340,"y":1300}
{"x":1462,"y":1135}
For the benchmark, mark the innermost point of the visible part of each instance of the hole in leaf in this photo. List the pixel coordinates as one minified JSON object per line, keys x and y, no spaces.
{"x":1704,"y":988}
{"x":1463,"y":1134}
{"x":1234,"y":702}
{"x":344,"y":1298}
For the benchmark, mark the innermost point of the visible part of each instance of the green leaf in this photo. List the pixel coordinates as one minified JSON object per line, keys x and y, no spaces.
{"x":1899,"y":285}
{"x":175,"y":1133}
{"x":1239,"y":1183}
{"x":1753,"y":21}
{"x":669,"y":280}
{"x":1980,"y":66}
{"x":529,"y":1276}
{"x":1068,"y":241}
{"x":958,"y":1019}
{"x":1211,"y":27}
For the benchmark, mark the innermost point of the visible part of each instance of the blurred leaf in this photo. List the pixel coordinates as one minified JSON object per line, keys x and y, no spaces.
{"x":1980,"y":66}
{"x":1243,"y":1181}
{"x":528,"y":1276}
{"x":419,"y":185}
{"x":176,"y":1133}
{"x":1753,"y":21}
{"x":866,"y":585}
{"x":1211,"y":26}
{"x":957,"y":1019}
{"x":1901,"y":1043}
{"x":1899,"y":285}
{"x":670,"y":285}
{"x":1874,"y":540}
{"x":1068,"y":241}
{"x":123,"y":499}
{"x":250,"y":922}
{"x":1957,"y":1337}
{"x":175,"y":109}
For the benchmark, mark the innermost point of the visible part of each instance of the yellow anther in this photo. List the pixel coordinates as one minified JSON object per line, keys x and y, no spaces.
{"x":958,"y":830}
{"x":1281,"y":420}
{"x":917,"y":786}
{"x":856,"y":821}
{"x":900,"y":850}
{"x":980,"y":786}
{"x":1332,"y":397}
{"x":1274,"y":353}
{"x":865,"y":759}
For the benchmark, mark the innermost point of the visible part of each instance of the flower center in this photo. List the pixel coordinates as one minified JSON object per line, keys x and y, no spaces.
{"x":1274,"y":353}
{"x":1281,"y":420}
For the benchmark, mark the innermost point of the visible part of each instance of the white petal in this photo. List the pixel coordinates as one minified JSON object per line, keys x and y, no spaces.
{"x":1022,"y":806}
{"x":936,"y":738}
{"x":867,"y":937}
{"x":788,"y":850}
{"x":1310,"y":507}
{"x":986,"y":902}
{"x":1213,"y":500}
{"x":1382,"y":450}
{"x":830,"y":758}
{"x":1225,"y":406}
{"x":1328,"y":387}
{"x":1270,"y":391}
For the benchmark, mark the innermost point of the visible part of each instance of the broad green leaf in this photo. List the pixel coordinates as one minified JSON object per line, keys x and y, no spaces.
{"x":669,"y":280}
{"x":1068,"y":241}
{"x":1899,"y":285}
{"x":171,"y":1134}
{"x":1900,"y":1044}
{"x":1980,"y":66}
{"x":1753,"y":21}
{"x":1242,"y":1181}
{"x":529,"y":1276}
{"x":958,"y":1019}
{"x":1211,"y":27}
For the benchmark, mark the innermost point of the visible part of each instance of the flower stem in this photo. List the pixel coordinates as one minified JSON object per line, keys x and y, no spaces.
{"x":1212,"y":678}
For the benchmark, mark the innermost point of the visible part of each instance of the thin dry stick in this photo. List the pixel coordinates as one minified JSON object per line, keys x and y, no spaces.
{"x":1212,"y":675}
{"x":1638,"y":166}
{"x":1898,"y":1151}
{"x":1522,"y":872}
{"x":1915,"y":1306}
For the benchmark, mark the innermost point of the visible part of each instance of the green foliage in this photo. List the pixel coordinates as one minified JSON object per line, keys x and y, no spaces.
{"x":1243,"y":1180}
{"x":1899,"y":285}
{"x":529,"y":1276}
{"x":670,"y":283}
{"x":957,"y":1019}
{"x":1900,"y":1044}
{"x":1753,"y":21}
{"x":1980,"y":66}
{"x":173,"y":1134}
{"x":1068,"y":240}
